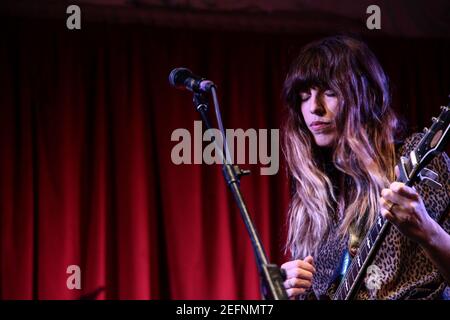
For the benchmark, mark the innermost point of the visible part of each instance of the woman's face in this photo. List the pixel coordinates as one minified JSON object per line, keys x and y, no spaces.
{"x":319,"y":108}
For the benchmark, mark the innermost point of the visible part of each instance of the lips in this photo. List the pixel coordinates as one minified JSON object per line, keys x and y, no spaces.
{"x":318,"y":126}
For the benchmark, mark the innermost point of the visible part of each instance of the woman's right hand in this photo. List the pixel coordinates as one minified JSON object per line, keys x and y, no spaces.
{"x":299,"y":275}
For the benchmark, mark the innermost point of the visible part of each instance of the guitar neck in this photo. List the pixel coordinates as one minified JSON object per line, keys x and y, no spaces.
{"x":368,"y":248}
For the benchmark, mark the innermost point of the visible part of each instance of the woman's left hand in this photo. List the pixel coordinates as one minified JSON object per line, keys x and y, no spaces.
{"x":404,"y":207}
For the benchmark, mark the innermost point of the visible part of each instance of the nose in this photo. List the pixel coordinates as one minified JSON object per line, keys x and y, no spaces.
{"x":317,"y":106}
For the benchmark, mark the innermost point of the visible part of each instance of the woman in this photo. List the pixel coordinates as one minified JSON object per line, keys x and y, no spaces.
{"x":339,"y":142}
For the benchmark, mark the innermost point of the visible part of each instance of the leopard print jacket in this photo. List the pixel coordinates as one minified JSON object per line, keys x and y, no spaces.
{"x":406,"y":273}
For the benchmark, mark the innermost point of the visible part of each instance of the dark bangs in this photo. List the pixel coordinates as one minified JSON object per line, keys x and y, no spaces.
{"x":314,"y":67}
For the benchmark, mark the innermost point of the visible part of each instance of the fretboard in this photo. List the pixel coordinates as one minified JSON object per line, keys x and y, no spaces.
{"x":359,"y":264}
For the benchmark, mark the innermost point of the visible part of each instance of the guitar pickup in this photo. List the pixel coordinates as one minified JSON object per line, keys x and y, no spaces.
{"x":429,"y":177}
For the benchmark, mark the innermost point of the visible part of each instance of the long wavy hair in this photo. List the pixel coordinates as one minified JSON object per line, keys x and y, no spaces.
{"x":364,"y":150}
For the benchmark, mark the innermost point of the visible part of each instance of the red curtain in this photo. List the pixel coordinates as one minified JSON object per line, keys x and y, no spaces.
{"x":86,"y":176}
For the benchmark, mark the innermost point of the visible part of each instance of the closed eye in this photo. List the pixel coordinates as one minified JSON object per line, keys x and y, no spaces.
{"x":304,"y":96}
{"x":330,"y":93}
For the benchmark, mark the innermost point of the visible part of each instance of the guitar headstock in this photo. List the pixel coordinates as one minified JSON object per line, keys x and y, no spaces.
{"x":432,"y":143}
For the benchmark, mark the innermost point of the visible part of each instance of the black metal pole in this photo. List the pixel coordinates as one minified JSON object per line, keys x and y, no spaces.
{"x":271,"y":275}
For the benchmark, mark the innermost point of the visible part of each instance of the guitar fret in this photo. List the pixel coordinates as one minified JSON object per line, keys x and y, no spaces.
{"x":373,"y":234}
{"x":342,"y":292}
{"x":338,"y":294}
{"x":353,"y":273}
{"x":364,"y":251}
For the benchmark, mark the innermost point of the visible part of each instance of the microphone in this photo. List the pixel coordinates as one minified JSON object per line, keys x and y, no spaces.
{"x":183,"y":78}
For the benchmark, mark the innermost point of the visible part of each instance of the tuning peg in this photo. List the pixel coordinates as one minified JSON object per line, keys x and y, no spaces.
{"x":444,"y":108}
{"x":425,"y":130}
{"x":434,"y":119}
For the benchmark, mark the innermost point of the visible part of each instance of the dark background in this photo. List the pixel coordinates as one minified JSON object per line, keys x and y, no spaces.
{"x":86,"y":118}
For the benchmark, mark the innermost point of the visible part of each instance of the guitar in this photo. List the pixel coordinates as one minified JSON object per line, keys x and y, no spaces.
{"x":412,"y":170}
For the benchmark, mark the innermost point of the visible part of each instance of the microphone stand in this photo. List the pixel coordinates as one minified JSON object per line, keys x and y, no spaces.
{"x":270,"y":274}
